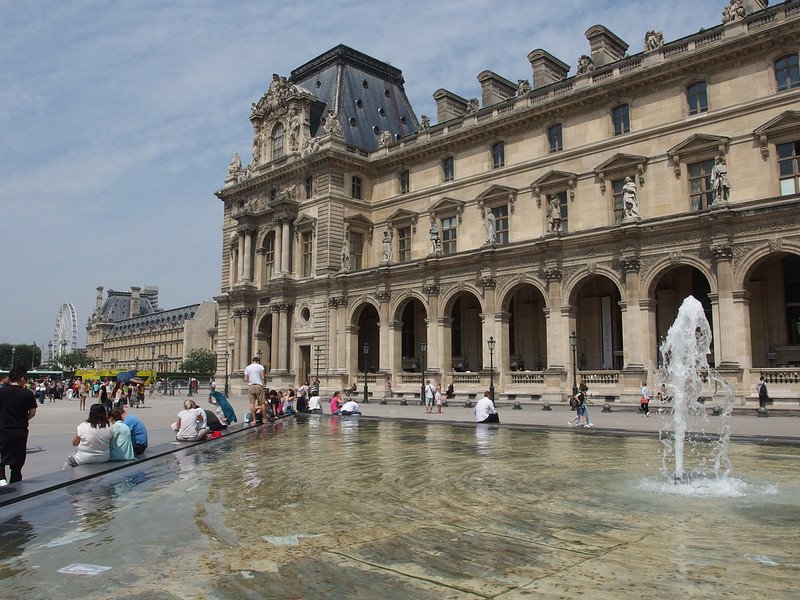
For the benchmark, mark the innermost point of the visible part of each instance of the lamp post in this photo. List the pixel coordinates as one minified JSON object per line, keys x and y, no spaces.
{"x":258,"y":354}
{"x":13,"y":355}
{"x":491,"y":342}
{"x":33,"y":358}
{"x":153,"y":362}
{"x":136,"y":363}
{"x":423,"y":349}
{"x":63,"y":348}
{"x":227,"y":352}
{"x":317,"y":352}
{"x":573,"y":342}
{"x":50,"y":352}
{"x":365,"y":350}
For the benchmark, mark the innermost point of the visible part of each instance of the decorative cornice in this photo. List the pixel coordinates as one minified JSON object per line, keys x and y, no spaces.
{"x":383,"y":295}
{"x":431,"y":289}
{"x":487,"y":282}
{"x":629,"y":264}
{"x":722,"y":252}
{"x":552,"y":274}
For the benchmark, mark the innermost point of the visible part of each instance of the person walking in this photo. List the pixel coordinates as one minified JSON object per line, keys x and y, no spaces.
{"x":429,"y":392}
{"x":17,"y":408}
{"x":763,"y":394}
{"x":645,"y":402}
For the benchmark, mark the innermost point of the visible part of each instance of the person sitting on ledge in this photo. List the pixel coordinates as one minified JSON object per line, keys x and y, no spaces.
{"x":336,"y":403}
{"x":350,"y":408}
{"x":485,"y":412}
{"x":314,"y":404}
{"x":93,"y":438}
{"x":121,"y":447}
{"x":138,"y":432}
{"x":191,"y":424}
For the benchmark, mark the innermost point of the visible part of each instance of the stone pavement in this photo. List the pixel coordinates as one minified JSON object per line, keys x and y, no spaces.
{"x":52,"y":428}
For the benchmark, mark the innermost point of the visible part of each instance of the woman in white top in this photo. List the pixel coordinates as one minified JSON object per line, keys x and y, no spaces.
{"x":92,"y":438}
{"x":191,"y":423}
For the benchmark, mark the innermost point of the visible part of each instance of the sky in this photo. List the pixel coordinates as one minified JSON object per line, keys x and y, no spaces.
{"x":118,"y":119}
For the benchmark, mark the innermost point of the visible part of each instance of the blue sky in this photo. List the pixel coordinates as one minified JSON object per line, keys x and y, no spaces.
{"x":119,"y":119}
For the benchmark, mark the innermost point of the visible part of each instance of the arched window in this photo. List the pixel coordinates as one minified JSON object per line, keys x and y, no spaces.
{"x":277,"y":141}
{"x":787,"y":72}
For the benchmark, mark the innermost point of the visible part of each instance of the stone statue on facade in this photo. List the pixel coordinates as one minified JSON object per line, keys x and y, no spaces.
{"x":332,"y":125}
{"x":554,"y":214}
{"x":585,"y":64}
{"x":719,"y":180}
{"x":424,"y":122}
{"x":490,"y":224}
{"x":256,"y":152}
{"x":294,"y":130}
{"x":523,"y":87}
{"x":387,"y":246}
{"x":384,"y":139}
{"x":345,"y":256}
{"x":310,"y":146}
{"x":734,"y":12}
{"x":234,"y":169}
{"x":630,"y":204}
{"x":472,"y":106}
{"x":653,"y":40}
{"x":436,"y":242}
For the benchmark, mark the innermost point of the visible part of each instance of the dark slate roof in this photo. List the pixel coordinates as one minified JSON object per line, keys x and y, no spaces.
{"x":366,"y":94}
{"x":118,"y":306}
{"x":169,"y":318}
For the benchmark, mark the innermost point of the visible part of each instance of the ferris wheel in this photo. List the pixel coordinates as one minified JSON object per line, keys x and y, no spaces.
{"x":65,"y":334}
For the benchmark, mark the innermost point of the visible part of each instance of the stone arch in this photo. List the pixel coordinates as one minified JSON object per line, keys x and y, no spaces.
{"x":263,"y":341}
{"x":365,"y":320}
{"x":576,"y":280}
{"x":408,"y":329}
{"x":502,"y":290}
{"x":399,"y":303}
{"x":744,"y":268}
{"x":596,"y":298}
{"x":446,"y":299}
{"x":464,"y":311}
{"x":524,"y":327}
{"x":664,"y":264}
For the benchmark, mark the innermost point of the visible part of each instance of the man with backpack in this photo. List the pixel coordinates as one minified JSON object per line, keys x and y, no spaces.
{"x":578,"y":403}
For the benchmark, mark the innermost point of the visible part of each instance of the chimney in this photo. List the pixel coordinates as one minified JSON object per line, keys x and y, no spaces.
{"x":546,"y":68}
{"x":605,"y":46}
{"x":751,"y":6}
{"x":135,"y":300}
{"x":495,"y":88}
{"x":99,"y":300}
{"x":449,"y":105}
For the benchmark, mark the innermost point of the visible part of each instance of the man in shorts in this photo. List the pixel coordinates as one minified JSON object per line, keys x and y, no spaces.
{"x":254,"y":376}
{"x":17,"y":407}
{"x":429,"y":395}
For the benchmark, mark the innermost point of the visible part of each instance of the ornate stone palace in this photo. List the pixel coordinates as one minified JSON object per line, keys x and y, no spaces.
{"x":361,"y":238}
{"x":129,"y":331}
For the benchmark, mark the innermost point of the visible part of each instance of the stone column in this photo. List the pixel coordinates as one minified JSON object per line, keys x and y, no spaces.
{"x":275,"y":342}
{"x":648,"y":309}
{"x":237,"y":336}
{"x":247,"y":335}
{"x":488,"y":323}
{"x":502,"y":354}
{"x":283,"y":339}
{"x":333,"y":328}
{"x":433,"y":355}
{"x":286,"y":247}
{"x":277,"y":260}
{"x":444,"y":330}
{"x":384,"y":333}
{"x":248,"y":254}
{"x":633,"y":321}
{"x":343,"y":362}
{"x":240,"y":258}
{"x":726,"y":345}
{"x":558,"y":351}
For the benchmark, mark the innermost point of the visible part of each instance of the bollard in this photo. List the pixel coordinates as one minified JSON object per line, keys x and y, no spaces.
{"x":546,"y":406}
{"x":606,"y":407}
{"x":517,"y":405}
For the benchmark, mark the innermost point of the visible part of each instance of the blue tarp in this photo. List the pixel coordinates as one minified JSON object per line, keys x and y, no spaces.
{"x":227,"y":409}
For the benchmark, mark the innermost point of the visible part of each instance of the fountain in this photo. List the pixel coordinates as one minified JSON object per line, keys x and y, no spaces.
{"x":684,"y":373}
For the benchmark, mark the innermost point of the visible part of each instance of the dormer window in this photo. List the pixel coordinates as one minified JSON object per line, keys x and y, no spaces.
{"x":277,"y":141}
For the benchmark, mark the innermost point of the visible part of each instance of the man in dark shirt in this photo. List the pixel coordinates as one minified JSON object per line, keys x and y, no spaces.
{"x":17,"y":407}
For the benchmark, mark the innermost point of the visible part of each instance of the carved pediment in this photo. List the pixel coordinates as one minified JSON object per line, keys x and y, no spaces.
{"x":358,"y":222}
{"x":696,"y":146}
{"x":782,"y":128}
{"x":554,"y":181}
{"x":305,"y":223}
{"x":446,"y":206}
{"x":618,"y":164}
{"x":495,"y":195}
{"x":402,"y":217}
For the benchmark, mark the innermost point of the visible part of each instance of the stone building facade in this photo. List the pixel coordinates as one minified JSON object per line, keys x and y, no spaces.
{"x":361,"y":238}
{"x":129,"y":331}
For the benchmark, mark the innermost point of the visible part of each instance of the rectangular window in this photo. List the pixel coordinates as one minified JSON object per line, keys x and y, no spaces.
{"x":449,"y":235}
{"x":448,"y":168}
{"x":697,"y":96}
{"x":307,"y":249}
{"x":501,"y":224}
{"x":562,"y":199}
{"x":619,"y":205}
{"x":356,"y":249}
{"x":405,"y":180}
{"x":404,"y":243}
{"x":355,"y":188}
{"x":309,"y":186}
{"x":498,"y":155}
{"x":269,"y":255}
{"x":621,"y":116}
{"x":787,"y":72}
{"x":701,"y":194}
{"x":555,"y":138}
{"x":789,"y":167}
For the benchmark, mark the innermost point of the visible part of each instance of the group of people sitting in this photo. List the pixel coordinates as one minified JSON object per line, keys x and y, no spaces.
{"x":338,"y":407}
{"x":195,"y":423}
{"x":105,"y":437}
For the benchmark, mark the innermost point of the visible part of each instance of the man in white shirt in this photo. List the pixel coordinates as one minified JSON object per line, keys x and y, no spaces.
{"x":429,"y":393}
{"x":350,"y":408}
{"x":485,"y":412}
{"x":254,"y":376}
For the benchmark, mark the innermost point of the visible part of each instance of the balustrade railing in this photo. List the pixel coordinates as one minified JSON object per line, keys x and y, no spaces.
{"x":780,"y":375}
{"x":599,"y":377}
{"x":525,"y":377}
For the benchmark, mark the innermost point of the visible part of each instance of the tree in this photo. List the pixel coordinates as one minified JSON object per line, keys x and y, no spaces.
{"x":74,"y":360}
{"x":200,"y":361}
{"x":23,"y":354}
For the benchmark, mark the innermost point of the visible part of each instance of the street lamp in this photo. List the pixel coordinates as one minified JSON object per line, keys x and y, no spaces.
{"x":491,"y":344}
{"x":63,"y":347}
{"x":153,"y":362}
{"x":365,"y":350}
{"x":13,"y":354}
{"x":227,"y":352}
{"x":423,"y":349}
{"x":136,"y":363}
{"x":573,"y":342}
{"x":33,"y":358}
{"x":50,"y":352}
{"x":317,"y":352}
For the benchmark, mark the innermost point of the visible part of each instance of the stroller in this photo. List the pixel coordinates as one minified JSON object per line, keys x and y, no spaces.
{"x":220,"y":400}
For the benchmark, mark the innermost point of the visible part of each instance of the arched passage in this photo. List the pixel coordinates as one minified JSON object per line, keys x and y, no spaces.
{"x":598,"y":324}
{"x":411,"y":316}
{"x":464,"y":310}
{"x":367,"y":337}
{"x":774,"y":291}
{"x":527,"y":329}
{"x":264,"y":342}
{"x":670,"y":289}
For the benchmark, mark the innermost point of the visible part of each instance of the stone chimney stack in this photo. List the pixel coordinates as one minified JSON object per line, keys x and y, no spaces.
{"x":751,"y":6}
{"x":495,"y":88}
{"x":449,"y":105}
{"x":98,"y":302}
{"x":605,"y":46}
{"x":136,"y":298}
{"x":546,"y":68}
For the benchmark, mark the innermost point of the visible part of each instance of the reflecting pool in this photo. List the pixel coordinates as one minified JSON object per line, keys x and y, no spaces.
{"x":349,"y":508}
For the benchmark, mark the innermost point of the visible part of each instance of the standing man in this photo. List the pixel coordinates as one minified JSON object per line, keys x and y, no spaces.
{"x":645,"y":402}
{"x":254,"y":376}
{"x":429,"y":394}
{"x":485,"y":412}
{"x":17,"y":407}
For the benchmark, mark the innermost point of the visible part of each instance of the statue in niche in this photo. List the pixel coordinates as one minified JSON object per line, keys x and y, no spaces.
{"x":472,"y":106}
{"x":585,"y":64}
{"x":630,"y":204}
{"x":719,"y":180}
{"x":554,"y":214}
{"x":345,"y":255}
{"x":653,"y":40}
{"x":424,"y":122}
{"x":434,"y":235}
{"x":523,"y":87}
{"x":294,"y":130}
{"x":332,"y":125}
{"x":490,"y":224}
{"x":256,"y":147}
{"x":387,"y":246}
